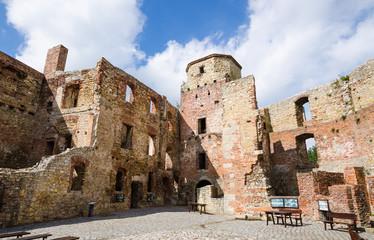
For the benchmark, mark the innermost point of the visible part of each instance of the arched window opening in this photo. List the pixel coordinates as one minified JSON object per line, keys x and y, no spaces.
{"x":77,"y":176}
{"x":129,"y":97}
{"x":151,"y":145}
{"x":302,"y":111}
{"x":50,"y":146}
{"x":153,"y":107}
{"x":201,"y":196}
{"x":71,"y":96}
{"x":120,"y":179}
{"x":168,"y":160}
{"x":201,"y":161}
{"x":306,"y":147}
{"x":203,"y":183}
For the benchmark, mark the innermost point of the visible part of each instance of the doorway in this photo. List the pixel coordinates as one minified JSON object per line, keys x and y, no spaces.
{"x":136,"y":193}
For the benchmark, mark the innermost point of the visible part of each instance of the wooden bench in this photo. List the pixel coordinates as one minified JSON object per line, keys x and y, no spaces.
{"x":192,"y":206}
{"x":277,"y":213}
{"x":296,"y":215}
{"x":43,"y":236}
{"x":66,"y":238}
{"x":13,"y":234}
{"x":354,"y":236}
{"x":331,"y":219}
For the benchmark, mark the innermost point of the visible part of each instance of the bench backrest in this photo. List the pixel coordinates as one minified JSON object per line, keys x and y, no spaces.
{"x":351,"y":216}
{"x":292,"y":210}
{"x":296,"y":211}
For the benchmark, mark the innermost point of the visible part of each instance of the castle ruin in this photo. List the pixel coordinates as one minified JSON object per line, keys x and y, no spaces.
{"x":100,"y":135}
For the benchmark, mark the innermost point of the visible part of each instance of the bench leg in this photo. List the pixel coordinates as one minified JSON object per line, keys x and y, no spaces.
{"x":325,"y":225}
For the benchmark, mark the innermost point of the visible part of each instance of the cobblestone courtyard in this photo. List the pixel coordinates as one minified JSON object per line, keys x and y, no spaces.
{"x":178,"y":223}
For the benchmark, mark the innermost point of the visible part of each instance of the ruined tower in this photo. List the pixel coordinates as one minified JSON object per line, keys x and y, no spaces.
{"x":219,"y":136}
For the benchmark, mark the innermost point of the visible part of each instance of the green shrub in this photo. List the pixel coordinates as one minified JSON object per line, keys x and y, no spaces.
{"x":312,"y":154}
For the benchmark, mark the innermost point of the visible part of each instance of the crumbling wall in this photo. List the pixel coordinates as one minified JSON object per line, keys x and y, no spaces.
{"x":78,"y":132}
{"x":161,"y":123}
{"x":41,"y":193}
{"x":346,"y":193}
{"x":341,"y":124}
{"x":19,"y":94}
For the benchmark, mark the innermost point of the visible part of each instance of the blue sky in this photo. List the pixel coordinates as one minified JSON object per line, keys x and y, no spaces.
{"x":288,"y":45}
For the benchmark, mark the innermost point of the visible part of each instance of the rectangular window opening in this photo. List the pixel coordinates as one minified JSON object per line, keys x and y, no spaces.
{"x":202,"y":69}
{"x":202,"y":161}
{"x":126,"y":138}
{"x":50,"y":147}
{"x":202,"y":125}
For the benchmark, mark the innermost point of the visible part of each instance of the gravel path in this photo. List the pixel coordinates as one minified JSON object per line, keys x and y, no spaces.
{"x":178,"y":223}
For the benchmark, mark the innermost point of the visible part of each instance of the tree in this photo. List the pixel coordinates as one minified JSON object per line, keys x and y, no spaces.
{"x":312,"y":154}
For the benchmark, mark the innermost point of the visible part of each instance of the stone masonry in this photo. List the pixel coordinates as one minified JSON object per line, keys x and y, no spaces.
{"x":100,"y":135}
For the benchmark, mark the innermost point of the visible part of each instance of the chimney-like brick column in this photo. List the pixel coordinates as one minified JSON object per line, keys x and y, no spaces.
{"x":56,"y":59}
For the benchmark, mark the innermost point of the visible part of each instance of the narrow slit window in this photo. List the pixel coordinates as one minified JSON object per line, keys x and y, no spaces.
{"x":150,"y":181}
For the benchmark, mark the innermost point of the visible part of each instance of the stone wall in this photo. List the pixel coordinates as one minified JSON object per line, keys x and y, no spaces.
{"x":101,"y":135}
{"x":341,"y":125}
{"x":208,"y":196}
{"x":83,"y":117}
{"x":19,"y":97}
{"x":346,"y":193}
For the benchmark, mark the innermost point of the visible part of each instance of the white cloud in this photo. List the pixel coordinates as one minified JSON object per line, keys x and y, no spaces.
{"x":165,"y":71}
{"x":89,"y":29}
{"x":290,"y":46}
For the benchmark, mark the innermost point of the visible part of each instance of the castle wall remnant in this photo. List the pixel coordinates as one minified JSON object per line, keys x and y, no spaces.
{"x":100,"y":135}
{"x":68,"y":138}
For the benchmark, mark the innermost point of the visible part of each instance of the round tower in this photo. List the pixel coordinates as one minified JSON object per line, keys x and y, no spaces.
{"x":211,"y":69}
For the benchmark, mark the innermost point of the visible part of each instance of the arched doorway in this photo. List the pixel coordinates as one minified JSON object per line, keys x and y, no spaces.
{"x":166,"y":187}
{"x":201,"y":184}
{"x":136,"y":193}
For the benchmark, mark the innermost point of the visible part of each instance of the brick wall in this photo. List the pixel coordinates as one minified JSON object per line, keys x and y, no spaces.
{"x":344,"y":193}
{"x":20,"y":87}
